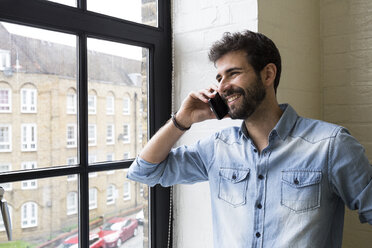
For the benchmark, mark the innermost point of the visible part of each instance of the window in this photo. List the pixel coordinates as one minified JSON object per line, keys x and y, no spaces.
{"x":5,"y":168}
{"x":71,"y":135}
{"x":72,"y":203}
{"x":111,"y":191}
{"x":92,"y":198}
{"x":126,"y":155}
{"x":110,"y":105}
{"x":29,"y":215}
{"x":71,"y":103}
{"x":60,"y":57}
{"x":5,"y":101}
{"x":92,"y":104}
{"x":126,"y":189}
{"x":92,"y":134}
{"x":28,"y":100}
{"x":29,"y":137}
{"x":29,"y":184}
{"x":72,"y":161}
{"x":140,"y":133}
{"x":5,"y":138}
{"x":126,"y":106}
{"x":110,"y":134}
{"x":4,"y":59}
{"x":126,"y":133}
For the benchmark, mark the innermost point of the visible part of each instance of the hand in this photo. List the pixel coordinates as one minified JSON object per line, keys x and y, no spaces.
{"x":195,"y":107}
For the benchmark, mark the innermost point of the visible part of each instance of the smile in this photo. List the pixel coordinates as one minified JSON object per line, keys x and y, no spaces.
{"x":232,"y":98}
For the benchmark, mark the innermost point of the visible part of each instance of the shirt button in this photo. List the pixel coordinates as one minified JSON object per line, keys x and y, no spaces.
{"x":234,"y":177}
{"x":260,"y":177}
{"x":258,"y":234}
{"x":259,"y":206}
{"x":255,"y":150}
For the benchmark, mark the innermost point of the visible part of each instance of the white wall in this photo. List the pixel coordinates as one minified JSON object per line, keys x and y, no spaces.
{"x":197,"y":24}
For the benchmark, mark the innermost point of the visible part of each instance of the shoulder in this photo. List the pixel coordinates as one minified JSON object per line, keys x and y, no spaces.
{"x":315,"y":131}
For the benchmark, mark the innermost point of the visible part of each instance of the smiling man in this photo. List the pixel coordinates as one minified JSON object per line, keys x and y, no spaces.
{"x":280,"y":180}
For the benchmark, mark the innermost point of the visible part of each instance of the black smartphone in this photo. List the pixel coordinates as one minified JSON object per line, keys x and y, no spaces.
{"x":218,"y":106}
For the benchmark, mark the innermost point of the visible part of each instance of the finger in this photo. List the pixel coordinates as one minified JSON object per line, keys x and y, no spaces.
{"x":201,"y":96}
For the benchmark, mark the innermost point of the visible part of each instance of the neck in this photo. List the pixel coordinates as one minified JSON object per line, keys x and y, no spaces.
{"x":261,"y":122}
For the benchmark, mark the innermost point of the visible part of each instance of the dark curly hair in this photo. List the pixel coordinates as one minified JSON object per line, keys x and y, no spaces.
{"x":260,"y":50}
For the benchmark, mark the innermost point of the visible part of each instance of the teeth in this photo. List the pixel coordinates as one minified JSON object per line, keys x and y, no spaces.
{"x":232,"y":98}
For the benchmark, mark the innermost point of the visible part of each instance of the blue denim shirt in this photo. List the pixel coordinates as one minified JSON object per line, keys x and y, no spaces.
{"x":292,"y":194}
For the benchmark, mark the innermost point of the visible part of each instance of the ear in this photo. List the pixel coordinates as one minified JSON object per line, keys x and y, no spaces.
{"x":268,"y":74}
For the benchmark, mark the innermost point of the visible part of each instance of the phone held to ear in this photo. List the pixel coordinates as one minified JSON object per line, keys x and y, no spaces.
{"x":218,"y":106}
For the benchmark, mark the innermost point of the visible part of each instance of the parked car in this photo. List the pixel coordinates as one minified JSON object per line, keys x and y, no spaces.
{"x":140,"y":217}
{"x":95,"y":241}
{"x":117,"y":230}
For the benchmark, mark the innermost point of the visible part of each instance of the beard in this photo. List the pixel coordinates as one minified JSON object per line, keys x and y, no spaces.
{"x":251,"y":98}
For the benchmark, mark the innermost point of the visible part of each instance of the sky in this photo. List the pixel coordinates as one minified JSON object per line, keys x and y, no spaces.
{"x":126,"y":9}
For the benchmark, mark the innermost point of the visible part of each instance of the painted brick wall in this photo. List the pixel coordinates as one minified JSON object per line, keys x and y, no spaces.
{"x":346,"y":56}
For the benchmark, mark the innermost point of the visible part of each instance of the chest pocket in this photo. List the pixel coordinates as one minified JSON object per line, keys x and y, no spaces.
{"x":233,"y":185}
{"x":301,"y":190}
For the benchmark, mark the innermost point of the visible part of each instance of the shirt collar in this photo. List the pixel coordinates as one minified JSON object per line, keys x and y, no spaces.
{"x":284,"y":125}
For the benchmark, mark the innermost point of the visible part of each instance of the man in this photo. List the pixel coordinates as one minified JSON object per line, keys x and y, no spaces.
{"x":280,"y":180}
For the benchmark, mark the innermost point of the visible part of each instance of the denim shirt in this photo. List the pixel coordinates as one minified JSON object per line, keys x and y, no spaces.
{"x":292,"y":194}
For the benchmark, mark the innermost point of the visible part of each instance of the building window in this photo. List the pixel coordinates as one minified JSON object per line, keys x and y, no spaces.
{"x":5,"y":101}
{"x":126,"y":133}
{"x":71,"y":103}
{"x":126,"y":155}
{"x":92,"y":104}
{"x":111,"y":191}
{"x":29,"y":215}
{"x":29,"y":184}
{"x":72,"y":161}
{"x":5,"y":138}
{"x":4,"y":59}
{"x":72,"y":203}
{"x":92,"y":198}
{"x":71,"y":135}
{"x":110,"y":133}
{"x":126,"y":189}
{"x":140,"y":133}
{"x":92,"y":134}
{"x":126,"y":106}
{"x":110,"y":105}
{"x":29,"y":137}
{"x":28,"y":100}
{"x":5,"y":168}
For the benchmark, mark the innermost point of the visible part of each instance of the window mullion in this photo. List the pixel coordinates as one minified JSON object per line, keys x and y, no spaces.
{"x":83,"y":141}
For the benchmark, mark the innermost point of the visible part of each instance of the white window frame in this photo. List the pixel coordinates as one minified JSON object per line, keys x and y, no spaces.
{"x":28,"y":142}
{"x":5,"y":168}
{"x":71,"y":161}
{"x":92,"y":135}
{"x":92,"y":104}
{"x":110,"y":134}
{"x":110,"y":194}
{"x":92,"y":198}
{"x":71,"y":142}
{"x":126,"y":191}
{"x":29,"y":215}
{"x":126,"y":106}
{"x":5,"y":138}
{"x":6,"y":107}
{"x":110,"y":105}
{"x":126,"y":133}
{"x":28,"y":100}
{"x":29,"y":184}
{"x":71,"y":103}
{"x":140,"y":133}
{"x":72,"y":203}
{"x":4,"y":59}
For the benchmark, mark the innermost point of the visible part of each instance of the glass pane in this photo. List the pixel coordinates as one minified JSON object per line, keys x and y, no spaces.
{"x":38,"y":108}
{"x":42,"y":216}
{"x":71,"y":3}
{"x":140,"y":11}
{"x":117,"y":100}
{"x":119,"y":210}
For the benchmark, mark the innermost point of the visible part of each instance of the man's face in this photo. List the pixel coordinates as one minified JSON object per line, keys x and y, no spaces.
{"x":239,"y":85}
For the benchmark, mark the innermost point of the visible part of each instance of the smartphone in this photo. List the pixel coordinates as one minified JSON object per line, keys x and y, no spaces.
{"x":218,"y":106}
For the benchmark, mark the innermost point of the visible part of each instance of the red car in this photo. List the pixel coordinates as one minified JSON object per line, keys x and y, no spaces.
{"x":95,"y":241}
{"x":117,"y":230}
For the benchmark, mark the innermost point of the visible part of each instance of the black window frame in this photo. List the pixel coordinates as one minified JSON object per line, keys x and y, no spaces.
{"x":86,"y":24}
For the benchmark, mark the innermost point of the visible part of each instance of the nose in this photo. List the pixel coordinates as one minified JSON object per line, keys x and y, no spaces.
{"x":223,"y":86}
